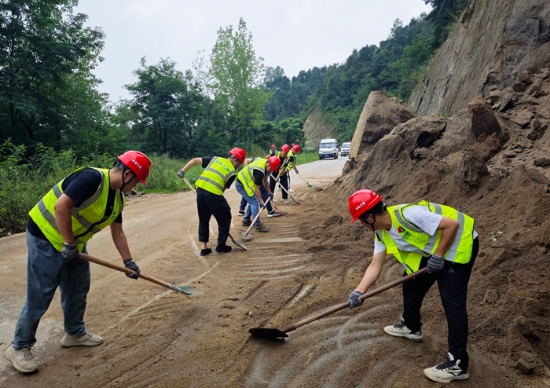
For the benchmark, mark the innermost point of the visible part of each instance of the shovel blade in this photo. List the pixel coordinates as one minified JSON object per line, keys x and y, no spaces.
{"x":189,"y":291}
{"x":244,"y":236}
{"x":269,"y":334}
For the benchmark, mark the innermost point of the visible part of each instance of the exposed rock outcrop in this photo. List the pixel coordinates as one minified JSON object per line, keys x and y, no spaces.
{"x":496,"y":44}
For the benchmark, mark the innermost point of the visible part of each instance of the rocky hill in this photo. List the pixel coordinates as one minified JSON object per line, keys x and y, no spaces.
{"x":490,"y":158}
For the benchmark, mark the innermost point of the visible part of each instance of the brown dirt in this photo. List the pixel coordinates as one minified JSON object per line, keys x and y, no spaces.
{"x":310,"y":260}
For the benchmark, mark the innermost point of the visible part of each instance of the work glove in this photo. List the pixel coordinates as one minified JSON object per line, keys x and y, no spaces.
{"x":181,"y":173}
{"x":435,"y":263}
{"x":131,"y":264}
{"x":69,"y":251}
{"x":296,"y":170}
{"x":271,"y":195}
{"x":262,"y":205}
{"x":354,"y":300}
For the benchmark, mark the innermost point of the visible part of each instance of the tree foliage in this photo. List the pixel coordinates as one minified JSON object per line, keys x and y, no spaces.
{"x":47,"y":90}
{"x":168,"y":113}
{"x":236,"y":75}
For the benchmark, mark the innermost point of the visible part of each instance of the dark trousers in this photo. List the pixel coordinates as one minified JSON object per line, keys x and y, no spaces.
{"x":283,"y":182}
{"x":216,"y":205}
{"x":452,"y":281}
{"x":265,"y":195}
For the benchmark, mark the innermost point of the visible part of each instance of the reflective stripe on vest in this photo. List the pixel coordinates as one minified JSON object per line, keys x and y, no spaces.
{"x":87,"y":219}
{"x":459,"y":252}
{"x":246,"y":175}
{"x":216,"y":175}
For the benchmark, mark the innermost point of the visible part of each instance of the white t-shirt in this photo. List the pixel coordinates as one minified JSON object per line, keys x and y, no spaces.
{"x":422,"y":217}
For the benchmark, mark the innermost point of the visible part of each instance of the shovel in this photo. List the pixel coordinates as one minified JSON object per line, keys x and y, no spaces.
{"x":185,"y":290}
{"x":308,"y":185}
{"x":282,"y":187}
{"x":274,"y":334}
{"x":231,"y":237}
{"x":247,"y":236}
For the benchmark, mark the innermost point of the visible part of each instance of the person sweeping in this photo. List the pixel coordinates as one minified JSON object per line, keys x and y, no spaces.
{"x":419,"y":235}
{"x":217,"y":177}
{"x":58,"y":228}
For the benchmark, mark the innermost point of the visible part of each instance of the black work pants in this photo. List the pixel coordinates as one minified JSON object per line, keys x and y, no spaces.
{"x":283,"y":182}
{"x":216,"y":205}
{"x":452,"y":281}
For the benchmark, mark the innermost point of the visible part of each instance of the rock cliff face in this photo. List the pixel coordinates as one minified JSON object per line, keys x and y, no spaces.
{"x":494,"y":44}
{"x":317,"y":128}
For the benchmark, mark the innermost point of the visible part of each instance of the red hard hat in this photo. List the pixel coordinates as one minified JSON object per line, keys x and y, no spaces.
{"x":296,"y":148}
{"x":138,"y":162}
{"x":275,"y":163}
{"x":361,"y":201}
{"x":273,"y":146}
{"x":285,"y":148}
{"x":238,"y":153}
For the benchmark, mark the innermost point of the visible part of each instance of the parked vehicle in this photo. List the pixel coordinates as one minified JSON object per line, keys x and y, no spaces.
{"x":344,"y":149}
{"x":328,"y":148}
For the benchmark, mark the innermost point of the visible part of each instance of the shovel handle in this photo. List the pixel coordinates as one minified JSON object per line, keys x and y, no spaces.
{"x":282,"y":187}
{"x":126,"y":270}
{"x":366,"y":295}
{"x":256,"y":218}
{"x":304,"y":179}
{"x":189,"y":184}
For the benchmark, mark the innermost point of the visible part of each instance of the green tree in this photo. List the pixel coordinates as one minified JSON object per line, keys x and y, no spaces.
{"x":169,"y":114}
{"x":236,"y":75}
{"x":46,"y":85}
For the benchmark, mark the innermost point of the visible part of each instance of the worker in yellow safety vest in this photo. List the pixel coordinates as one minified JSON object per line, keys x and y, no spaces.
{"x":281,"y":174}
{"x":58,"y":228}
{"x":218,"y":176}
{"x":249,"y":181}
{"x":419,"y":235}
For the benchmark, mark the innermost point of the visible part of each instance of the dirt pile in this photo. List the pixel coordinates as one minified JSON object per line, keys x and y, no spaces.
{"x":492,"y":161}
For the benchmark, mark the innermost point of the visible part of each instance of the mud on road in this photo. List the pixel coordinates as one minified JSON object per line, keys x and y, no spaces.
{"x":310,"y":260}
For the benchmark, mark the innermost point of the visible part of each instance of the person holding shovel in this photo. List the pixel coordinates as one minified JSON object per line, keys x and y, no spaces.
{"x":249,"y":181}
{"x":281,"y":172}
{"x":218,"y":176}
{"x":419,"y":235}
{"x":58,"y":227}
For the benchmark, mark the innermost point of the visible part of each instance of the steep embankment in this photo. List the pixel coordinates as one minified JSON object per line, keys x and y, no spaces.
{"x":494,"y":43}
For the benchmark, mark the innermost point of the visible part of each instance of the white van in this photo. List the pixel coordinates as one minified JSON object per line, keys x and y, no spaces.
{"x":328,"y":148}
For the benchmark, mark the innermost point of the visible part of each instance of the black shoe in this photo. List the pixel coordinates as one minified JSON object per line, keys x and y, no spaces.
{"x":223,"y":249}
{"x":206,"y":251}
{"x":246,"y":223}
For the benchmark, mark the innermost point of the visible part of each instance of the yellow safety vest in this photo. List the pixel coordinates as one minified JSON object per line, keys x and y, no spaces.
{"x":289,"y":165}
{"x":216,"y":175}
{"x":87,"y":219}
{"x":284,"y":161}
{"x":246,"y":175}
{"x":459,"y":252}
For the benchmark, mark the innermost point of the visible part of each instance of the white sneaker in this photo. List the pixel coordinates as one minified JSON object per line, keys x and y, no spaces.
{"x":87,"y":339}
{"x":23,"y":360}
{"x":290,"y":190}
{"x":400,"y":330}
{"x":447,"y":371}
{"x":285,"y":201}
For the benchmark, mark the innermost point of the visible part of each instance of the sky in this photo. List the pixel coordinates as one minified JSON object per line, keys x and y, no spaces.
{"x":293,"y":34}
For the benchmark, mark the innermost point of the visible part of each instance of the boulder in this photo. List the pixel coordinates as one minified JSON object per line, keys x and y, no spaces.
{"x":379,"y":116}
{"x":470,"y":172}
{"x":420,"y":132}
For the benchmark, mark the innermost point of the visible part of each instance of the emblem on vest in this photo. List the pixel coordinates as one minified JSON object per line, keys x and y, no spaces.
{"x":404,"y":232}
